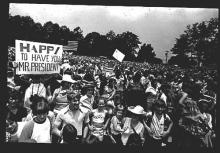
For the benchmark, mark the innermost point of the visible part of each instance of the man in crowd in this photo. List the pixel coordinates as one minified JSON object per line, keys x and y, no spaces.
{"x":72,"y":114}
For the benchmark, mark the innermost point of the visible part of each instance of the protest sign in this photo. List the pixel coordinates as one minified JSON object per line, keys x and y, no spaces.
{"x":37,"y":58}
{"x":118,"y":55}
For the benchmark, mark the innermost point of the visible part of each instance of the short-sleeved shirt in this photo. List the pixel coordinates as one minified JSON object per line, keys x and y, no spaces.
{"x":157,"y":125}
{"x":98,"y":121}
{"x":76,"y":118}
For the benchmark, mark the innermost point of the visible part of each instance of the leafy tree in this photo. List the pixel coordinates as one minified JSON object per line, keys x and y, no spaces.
{"x":111,"y":35}
{"x":181,"y":60}
{"x":77,"y":34}
{"x":90,"y":43}
{"x":127,"y":43}
{"x":199,"y":39}
{"x":37,"y":32}
{"x":64,"y":34}
{"x":156,"y":60}
{"x":146,"y":53}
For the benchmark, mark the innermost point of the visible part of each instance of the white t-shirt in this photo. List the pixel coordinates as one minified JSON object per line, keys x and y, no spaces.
{"x":41,"y":132}
{"x":98,"y":120}
{"x":98,"y":117}
{"x":30,"y":116}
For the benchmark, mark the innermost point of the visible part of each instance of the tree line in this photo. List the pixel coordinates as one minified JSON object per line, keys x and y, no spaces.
{"x":198,"y":44}
{"x":93,"y":44}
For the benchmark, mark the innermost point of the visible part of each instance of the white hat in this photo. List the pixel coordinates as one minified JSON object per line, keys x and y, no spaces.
{"x":67,"y":78}
{"x":137,"y":110}
{"x":110,"y":103}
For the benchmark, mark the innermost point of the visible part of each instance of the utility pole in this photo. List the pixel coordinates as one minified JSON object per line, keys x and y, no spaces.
{"x":166,"y":54}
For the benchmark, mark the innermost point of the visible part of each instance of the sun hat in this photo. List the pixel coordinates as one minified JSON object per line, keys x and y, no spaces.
{"x":67,"y":78}
{"x":110,"y":103}
{"x":139,"y":110}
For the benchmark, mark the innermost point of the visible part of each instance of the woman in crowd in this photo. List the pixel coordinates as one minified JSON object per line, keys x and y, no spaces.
{"x":110,"y":90}
{"x":59,"y":98}
{"x":36,"y":87}
{"x":87,"y":100}
{"x":15,"y":112}
{"x":116,"y":125}
{"x":133,"y":126}
{"x":98,"y":123}
{"x":13,"y":130}
{"x":37,"y":130}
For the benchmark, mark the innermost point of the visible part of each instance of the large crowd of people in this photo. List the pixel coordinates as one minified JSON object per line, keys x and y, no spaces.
{"x":140,"y":104}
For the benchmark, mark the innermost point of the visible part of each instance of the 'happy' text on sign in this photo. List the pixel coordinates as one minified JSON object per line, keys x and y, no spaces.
{"x":37,"y":58}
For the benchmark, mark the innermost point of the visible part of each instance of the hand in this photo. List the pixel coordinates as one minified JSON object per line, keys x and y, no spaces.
{"x":165,"y":133}
{"x":91,"y":127}
{"x":149,"y":131}
{"x":56,"y":94}
{"x":125,"y":128}
{"x":15,"y":64}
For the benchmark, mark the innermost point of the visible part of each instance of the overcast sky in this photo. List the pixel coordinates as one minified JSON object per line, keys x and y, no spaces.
{"x":154,"y":25}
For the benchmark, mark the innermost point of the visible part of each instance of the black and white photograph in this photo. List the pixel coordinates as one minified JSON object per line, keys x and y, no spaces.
{"x":128,"y":76}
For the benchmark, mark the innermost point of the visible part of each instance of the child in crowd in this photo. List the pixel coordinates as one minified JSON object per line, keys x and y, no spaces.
{"x":37,"y":130}
{"x":158,"y":125}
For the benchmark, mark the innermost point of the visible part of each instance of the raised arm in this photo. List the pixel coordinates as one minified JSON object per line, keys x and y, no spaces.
{"x":57,"y":123}
{"x":184,"y":95}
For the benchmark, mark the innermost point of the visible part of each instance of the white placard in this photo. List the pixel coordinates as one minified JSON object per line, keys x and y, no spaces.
{"x":37,"y":58}
{"x":118,"y":55}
